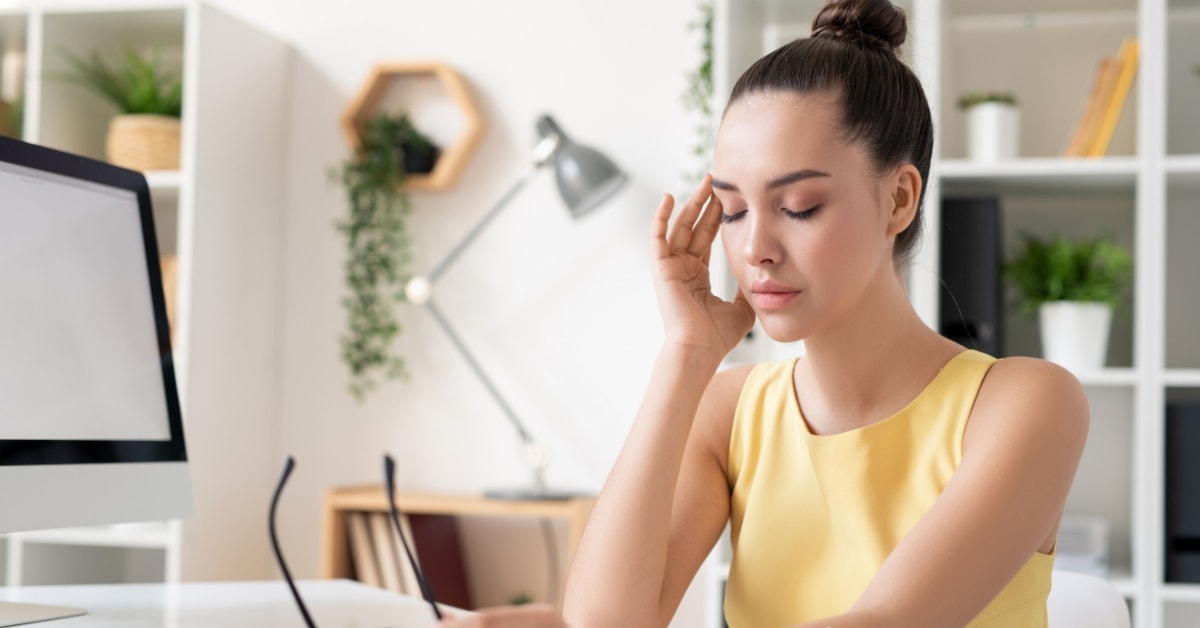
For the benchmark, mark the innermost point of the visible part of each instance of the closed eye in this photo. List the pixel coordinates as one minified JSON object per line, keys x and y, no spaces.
{"x":728,"y":218}
{"x":804,"y":215}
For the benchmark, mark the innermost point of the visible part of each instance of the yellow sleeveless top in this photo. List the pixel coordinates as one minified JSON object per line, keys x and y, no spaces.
{"x":814,"y":517}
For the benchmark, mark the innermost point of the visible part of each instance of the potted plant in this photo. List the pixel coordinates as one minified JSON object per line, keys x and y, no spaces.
{"x":146,"y":133}
{"x":377,"y":245}
{"x":992,"y":130}
{"x":1074,"y":286}
{"x":419,"y":153}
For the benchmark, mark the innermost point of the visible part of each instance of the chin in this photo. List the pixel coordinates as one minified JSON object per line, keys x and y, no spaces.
{"x":784,"y":330}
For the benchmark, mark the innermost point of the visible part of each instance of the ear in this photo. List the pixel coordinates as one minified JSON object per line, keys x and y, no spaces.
{"x":904,"y":190}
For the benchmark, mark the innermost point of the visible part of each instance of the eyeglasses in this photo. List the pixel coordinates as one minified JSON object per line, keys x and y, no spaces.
{"x":389,"y":474}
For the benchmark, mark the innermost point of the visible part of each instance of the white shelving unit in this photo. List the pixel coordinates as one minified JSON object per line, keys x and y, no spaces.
{"x":219,"y":215}
{"x":1146,"y":192}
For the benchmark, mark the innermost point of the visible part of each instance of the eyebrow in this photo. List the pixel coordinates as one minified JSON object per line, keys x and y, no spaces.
{"x":786,"y":179}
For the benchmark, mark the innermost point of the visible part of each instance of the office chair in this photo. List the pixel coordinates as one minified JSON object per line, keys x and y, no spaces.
{"x":1079,"y":600}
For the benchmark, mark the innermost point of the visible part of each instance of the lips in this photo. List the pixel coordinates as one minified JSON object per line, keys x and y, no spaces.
{"x":770,"y":295}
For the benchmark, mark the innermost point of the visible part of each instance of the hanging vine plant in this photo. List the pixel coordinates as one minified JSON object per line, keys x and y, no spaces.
{"x":377,"y":245}
{"x":698,"y":96}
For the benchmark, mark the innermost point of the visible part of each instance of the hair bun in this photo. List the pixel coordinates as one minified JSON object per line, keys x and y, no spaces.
{"x":876,"y":23}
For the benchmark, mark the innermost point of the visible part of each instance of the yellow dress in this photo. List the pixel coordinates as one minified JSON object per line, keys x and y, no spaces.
{"x":814,"y":517}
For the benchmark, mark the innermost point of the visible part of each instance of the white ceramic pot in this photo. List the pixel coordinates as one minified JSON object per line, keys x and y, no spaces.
{"x":1075,"y":334}
{"x":993,"y":132}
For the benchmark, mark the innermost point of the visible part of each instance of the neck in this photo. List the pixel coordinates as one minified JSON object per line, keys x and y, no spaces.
{"x":879,"y":342}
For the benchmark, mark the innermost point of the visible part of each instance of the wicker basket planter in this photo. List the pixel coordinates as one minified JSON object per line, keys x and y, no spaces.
{"x":144,"y":142}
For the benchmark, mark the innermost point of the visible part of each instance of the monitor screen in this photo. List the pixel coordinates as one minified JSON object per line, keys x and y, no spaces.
{"x":90,"y":424}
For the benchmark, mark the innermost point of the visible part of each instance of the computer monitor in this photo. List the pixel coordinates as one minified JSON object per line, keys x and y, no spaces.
{"x":90,"y":425}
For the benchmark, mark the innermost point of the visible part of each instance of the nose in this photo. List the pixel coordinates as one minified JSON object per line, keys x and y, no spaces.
{"x":762,"y":247}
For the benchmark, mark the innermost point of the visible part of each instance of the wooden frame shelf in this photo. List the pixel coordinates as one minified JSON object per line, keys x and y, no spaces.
{"x":454,"y":157}
{"x":339,"y":502}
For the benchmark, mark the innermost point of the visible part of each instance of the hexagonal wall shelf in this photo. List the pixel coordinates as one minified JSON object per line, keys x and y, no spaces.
{"x":455,"y":156}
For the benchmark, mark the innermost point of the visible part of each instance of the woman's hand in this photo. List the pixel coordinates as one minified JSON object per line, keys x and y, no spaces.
{"x":692,"y":316}
{"x":526,"y":616}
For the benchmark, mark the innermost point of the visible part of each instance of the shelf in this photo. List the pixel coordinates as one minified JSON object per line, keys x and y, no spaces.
{"x":153,"y":535}
{"x":1182,"y":377}
{"x":73,"y":118}
{"x":1181,"y":593}
{"x":456,"y":153}
{"x":1109,"y":377}
{"x":1183,"y":165}
{"x":1044,"y":19}
{"x":1039,"y":174}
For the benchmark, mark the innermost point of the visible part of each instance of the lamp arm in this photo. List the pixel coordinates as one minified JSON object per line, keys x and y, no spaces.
{"x":479,"y":372}
{"x":474,"y":233}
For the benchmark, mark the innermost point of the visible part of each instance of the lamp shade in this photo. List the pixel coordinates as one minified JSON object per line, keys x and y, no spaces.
{"x":585,"y":176}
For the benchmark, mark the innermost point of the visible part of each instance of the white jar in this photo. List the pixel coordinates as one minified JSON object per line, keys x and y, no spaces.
{"x":993,"y":131}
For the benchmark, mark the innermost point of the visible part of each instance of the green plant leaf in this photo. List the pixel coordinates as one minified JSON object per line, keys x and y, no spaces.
{"x":136,"y":84}
{"x":1057,"y":269}
{"x":698,"y":93}
{"x":377,"y":249}
{"x":970,"y":99}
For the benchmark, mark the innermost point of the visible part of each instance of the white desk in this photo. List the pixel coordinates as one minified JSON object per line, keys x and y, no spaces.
{"x":268,"y":604}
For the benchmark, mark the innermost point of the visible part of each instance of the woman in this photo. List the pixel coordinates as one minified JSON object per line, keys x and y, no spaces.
{"x":889,"y":477}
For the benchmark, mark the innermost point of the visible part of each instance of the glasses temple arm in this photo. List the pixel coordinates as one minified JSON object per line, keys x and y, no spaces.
{"x":287,"y":574}
{"x":389,"y":473}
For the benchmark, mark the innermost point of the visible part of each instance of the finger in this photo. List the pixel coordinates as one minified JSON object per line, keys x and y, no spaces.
{"x":658,"y":228}
{"x":742,"y":302}
{"x":681,"y":232}
{"x":706,"y":229}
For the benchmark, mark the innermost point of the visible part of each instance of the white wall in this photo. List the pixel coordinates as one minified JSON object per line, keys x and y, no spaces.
{"x":560,"y":312}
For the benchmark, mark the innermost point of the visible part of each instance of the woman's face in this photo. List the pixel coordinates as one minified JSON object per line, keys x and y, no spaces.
{"x":806,"y":218}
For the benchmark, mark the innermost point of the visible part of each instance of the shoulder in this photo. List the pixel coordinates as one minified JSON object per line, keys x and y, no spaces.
{"x":1028,"y":398}
{"x":714,"y":420}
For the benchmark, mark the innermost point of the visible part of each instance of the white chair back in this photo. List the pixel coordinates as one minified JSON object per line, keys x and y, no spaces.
{"x":1080,"y":600}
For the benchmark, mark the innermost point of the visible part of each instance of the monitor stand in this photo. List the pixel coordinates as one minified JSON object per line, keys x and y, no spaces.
{"x":21,"y":613}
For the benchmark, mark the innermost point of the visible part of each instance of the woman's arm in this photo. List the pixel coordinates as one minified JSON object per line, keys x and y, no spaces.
{"x":1022,"y":445}
{"x":666,"y":500}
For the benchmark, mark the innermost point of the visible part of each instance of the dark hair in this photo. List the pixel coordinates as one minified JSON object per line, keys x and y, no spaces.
{"x":852,"y":53}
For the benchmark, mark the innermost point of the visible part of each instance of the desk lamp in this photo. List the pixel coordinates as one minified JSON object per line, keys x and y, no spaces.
{"x":586,"y":179}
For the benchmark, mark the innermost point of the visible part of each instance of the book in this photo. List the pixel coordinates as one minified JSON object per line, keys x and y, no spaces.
{"x":387,"y":552}
{"x":1101,"y":83}
{"x":408,"y":575}
{"x":362,"y":550}
{"x":441,"y":556}
{"x":1127,"y":62}
{"x":1106,"y":99}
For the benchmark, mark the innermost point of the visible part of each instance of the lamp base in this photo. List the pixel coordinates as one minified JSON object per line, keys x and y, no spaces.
{"x":533,"y":494}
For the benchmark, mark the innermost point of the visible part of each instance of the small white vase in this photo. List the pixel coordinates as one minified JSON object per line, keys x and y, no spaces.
{"x":993,"y":132}
{"x":1075,"y":334}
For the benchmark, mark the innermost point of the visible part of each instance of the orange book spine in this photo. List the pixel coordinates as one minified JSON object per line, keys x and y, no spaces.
{"x":1107,"y":123}
{"x":1101,"y":82}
